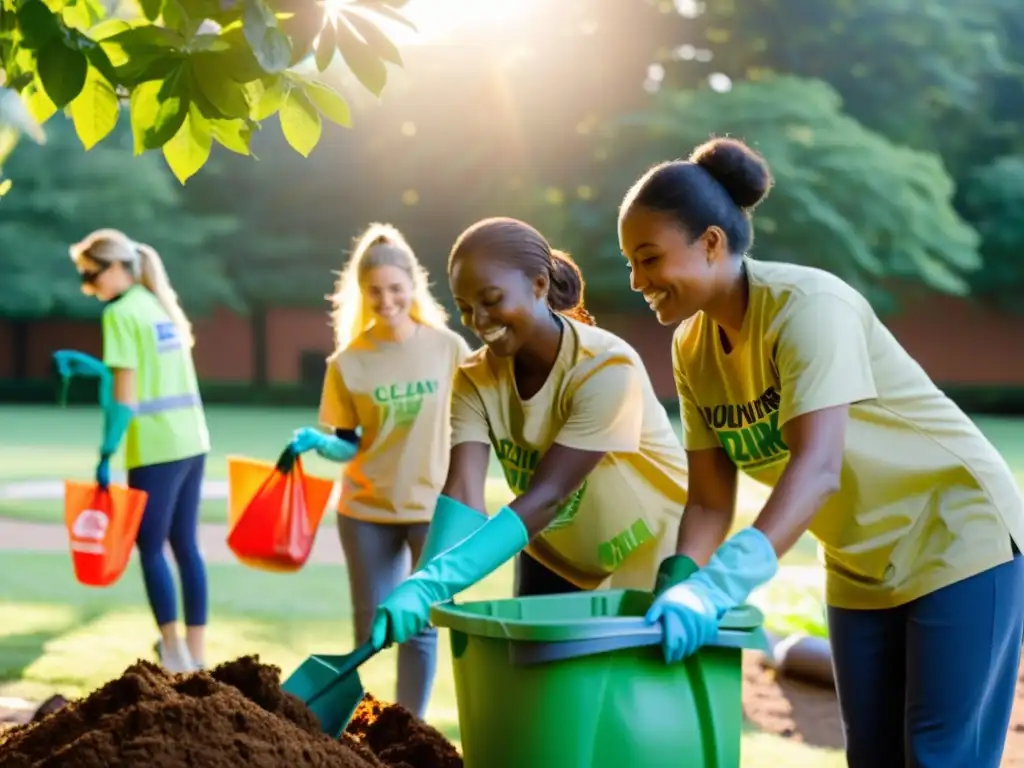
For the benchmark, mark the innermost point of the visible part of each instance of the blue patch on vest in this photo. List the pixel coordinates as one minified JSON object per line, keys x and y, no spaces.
{"x":167,"y":337}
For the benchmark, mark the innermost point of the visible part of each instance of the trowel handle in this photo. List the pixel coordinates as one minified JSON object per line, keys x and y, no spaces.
{"x":357,"y":658}
{"x":524,"y":654}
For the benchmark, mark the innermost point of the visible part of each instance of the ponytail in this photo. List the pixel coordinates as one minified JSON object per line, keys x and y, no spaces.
{"x":153,"y":276}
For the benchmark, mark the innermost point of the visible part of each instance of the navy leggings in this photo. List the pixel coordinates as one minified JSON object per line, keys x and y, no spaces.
{"x":172,"y":515}
{"x":930,"y":684}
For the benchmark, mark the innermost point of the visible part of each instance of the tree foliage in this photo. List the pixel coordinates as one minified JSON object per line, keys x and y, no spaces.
{"x":845,"y":199}
{"x":64,"y":193}
{"x":194,"y":73}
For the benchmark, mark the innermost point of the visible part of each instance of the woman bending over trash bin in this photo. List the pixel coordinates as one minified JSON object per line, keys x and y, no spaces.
{"x":597,"y":472}
{"x":387,"y":401}
{"x":785,"y":373}
{"x":147,"y":343}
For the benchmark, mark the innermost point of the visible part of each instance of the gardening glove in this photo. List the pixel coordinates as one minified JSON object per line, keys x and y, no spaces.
{"x":103,"y":473}
{"x":329,"y":446}
{"x":406,"y":611}
{"x":689,"y":612}
{"x":673,"y":570}
{"x":452,"y":522}
{"x":71,"y":363}
{"x":116,"y":418}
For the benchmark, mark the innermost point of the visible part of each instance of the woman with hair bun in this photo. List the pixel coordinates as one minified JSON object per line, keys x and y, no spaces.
{"x":786,"y":373}
{"x":597,"y":472}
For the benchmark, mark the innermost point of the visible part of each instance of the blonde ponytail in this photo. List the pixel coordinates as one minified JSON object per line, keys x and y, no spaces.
{"x":144,"y":263}
{"x":380,"y":245}
{"x":153,"y":275}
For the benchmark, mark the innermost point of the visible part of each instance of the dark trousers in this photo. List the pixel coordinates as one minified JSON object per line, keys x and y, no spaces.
{"x":172,"y":515}
{"x":534,"y":579}
{"x":931,"y":684}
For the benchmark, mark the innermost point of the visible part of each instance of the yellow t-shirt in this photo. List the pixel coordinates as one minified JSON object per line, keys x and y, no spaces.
{"x":924,"y":501}
{"x":399,"y":393}
{"x":625,"y":516}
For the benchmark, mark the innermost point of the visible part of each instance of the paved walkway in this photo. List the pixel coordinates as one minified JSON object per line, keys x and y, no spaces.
{"x":22,"y":535}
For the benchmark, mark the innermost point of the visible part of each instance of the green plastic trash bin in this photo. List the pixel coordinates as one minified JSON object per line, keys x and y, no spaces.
{"x":578,"y":681}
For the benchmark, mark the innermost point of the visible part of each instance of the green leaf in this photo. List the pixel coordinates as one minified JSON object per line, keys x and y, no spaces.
{"x":62,"y":70}
{"x":190,"y":147}
{"x":82,"y":15}
{"x":235,"y":135}
{"x":269,"y":44}
{"x":98,"y":58}
{"x":151,"y":8}
{"x":388,"y":10}
{"x":227,"y":97}
{"x":108,"y":28}
{"x":39,"y":104}
{"x":38,"y":24}
{"x":326,"y":46}
{"x":266,"y":100}
{"x":96,"y":109}
{"x":208,"y":43}
{"x":158,"y":110}
{"x":300,"y":122}
{"x":5,"y":186}
{"x":331,"y":104}
{"x":364,"y":63}
{"x":377,"y":40}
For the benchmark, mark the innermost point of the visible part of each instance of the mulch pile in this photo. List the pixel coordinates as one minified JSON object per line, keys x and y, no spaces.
{"x":233,"y":715}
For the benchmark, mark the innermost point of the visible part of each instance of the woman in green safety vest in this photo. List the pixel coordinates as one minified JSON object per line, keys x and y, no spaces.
{"x":147,"y":345}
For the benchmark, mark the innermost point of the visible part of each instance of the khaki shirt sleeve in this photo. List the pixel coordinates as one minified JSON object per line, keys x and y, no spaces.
{"x":697,"y":435}
{"x":606,"y":411}
{"x":337,"y":409}
{"x":469,"y":417}
{"x":822,"y":357}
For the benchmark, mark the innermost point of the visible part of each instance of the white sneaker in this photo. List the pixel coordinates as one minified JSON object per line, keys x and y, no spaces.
{"x":175,"y":658}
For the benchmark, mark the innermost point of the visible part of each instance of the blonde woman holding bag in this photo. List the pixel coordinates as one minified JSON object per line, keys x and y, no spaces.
{"x":386,"y":406}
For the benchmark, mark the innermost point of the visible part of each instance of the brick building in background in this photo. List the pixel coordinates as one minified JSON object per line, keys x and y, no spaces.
{"x":960,"y":343}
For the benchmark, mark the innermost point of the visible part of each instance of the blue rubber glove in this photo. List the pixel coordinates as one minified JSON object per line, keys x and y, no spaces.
{"x":689,"y":612}
{"x":406,"y":611}
{"x":329,"y":446}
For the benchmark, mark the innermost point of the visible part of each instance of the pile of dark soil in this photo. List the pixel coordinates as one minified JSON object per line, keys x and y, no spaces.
{"x":233,"y":715}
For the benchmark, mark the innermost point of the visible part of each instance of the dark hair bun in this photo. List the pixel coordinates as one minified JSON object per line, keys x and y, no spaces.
{"x":740,"y":170}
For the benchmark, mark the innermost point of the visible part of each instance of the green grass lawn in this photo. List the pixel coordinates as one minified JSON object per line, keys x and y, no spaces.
{"x":57,"y":636}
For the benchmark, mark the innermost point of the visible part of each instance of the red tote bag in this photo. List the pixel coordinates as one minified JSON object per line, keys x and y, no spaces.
{"x":277,"y":528}
{"x":102,"y":526}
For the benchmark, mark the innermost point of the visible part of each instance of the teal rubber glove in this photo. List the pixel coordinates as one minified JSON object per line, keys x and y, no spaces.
{"x":689,"y":612}
{"x":116,"y":418}
{"x":673,"y":570}
{"x":329,"y":446}
{"x":71,"y":363}
{"x":406,"y":611}
{"x":452,"y":522}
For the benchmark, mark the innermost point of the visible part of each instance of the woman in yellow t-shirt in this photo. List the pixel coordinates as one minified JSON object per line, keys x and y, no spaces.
{"x":786,"y":373}
{"x":597,"y":473}
{"x":387,"y":402}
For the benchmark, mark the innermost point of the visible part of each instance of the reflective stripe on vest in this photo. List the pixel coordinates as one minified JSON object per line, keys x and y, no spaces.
{"x":169,"y":403}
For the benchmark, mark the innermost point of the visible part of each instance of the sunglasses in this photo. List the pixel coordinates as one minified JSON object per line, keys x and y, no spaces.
{"x":89,"y":277}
